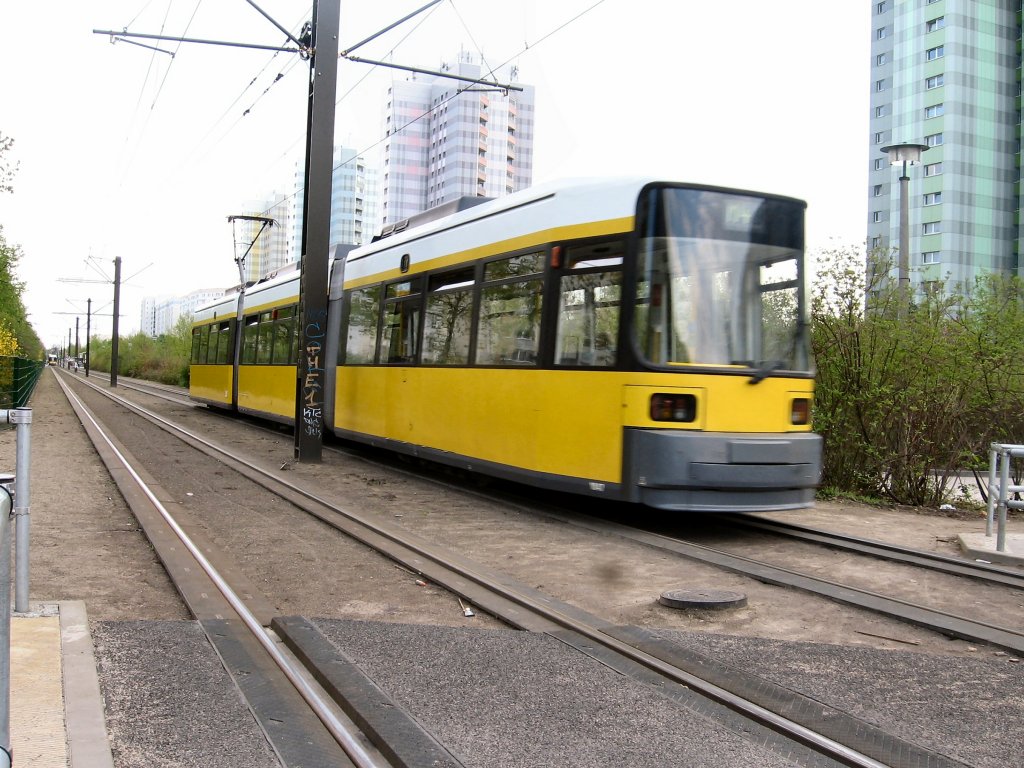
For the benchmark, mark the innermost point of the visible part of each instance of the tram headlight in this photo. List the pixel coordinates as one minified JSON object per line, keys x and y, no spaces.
{"x":801,"y":411}
{"x":674,"y":407}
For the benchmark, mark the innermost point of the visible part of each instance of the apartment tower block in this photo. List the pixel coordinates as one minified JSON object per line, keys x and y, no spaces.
{"x":946,"y":74}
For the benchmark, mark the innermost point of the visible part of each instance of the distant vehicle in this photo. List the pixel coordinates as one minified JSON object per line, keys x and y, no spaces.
{"x":51,"y":359}
{"x":631,"y":339}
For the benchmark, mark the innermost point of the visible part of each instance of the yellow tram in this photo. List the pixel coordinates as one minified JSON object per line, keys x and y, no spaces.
{"x":630,"y":338}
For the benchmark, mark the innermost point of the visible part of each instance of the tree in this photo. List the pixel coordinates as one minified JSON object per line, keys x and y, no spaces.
{"x":7,"y":171}
{"x":14,"y":323}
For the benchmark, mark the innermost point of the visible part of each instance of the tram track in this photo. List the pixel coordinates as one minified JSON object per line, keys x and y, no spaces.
{"x":944,"y":622}
{"x":644,"y":652}
{"x":956,"y":566}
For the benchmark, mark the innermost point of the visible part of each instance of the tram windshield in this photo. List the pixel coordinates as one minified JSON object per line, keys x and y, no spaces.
{"x":720,"y":280}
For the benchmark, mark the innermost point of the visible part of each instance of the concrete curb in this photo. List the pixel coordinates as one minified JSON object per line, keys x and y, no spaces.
{"x":88,"y":746}
{"x":978,"y":546}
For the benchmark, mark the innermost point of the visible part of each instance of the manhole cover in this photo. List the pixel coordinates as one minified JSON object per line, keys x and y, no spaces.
{"x":708,"y":599}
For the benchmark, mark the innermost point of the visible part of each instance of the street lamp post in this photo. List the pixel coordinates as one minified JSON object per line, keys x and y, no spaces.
{"x":904,"y":154}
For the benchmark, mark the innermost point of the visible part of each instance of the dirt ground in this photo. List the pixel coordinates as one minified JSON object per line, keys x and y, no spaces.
{"x":87,"y":546}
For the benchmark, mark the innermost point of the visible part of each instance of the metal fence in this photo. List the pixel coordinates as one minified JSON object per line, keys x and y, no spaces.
{"x":18,"y":377}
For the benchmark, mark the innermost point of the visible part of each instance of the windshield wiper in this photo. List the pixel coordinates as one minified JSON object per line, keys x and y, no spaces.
{"x":767,"y":366}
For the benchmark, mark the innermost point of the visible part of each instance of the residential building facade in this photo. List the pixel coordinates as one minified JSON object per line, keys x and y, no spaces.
{"x":448,"y":138}
{"x":946,"y":74}
{"x":355,"y":201}
{"x":160,"y":315}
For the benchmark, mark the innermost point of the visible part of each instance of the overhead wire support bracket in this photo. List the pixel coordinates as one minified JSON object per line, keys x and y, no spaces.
{"x":449,"y":75}
{"x":345,"y":54}
{"x":124,"y":35}
{"x":302,"y":45}
{"x":118,"y":39}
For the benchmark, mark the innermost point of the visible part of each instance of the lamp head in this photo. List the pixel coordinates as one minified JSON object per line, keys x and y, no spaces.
{"x":908,"y":154}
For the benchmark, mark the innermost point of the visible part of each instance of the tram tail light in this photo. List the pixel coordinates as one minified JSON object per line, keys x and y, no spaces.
{"x":801,"y":411}
{"x":675,"y":407}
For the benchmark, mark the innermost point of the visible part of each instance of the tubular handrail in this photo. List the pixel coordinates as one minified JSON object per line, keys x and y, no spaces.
{"x":1000,"y":490}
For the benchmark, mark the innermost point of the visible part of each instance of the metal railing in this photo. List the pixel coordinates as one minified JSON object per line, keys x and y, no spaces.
{"x":1001,"y":490}
{"x":14,"y":507}
{"x":18,"y":377}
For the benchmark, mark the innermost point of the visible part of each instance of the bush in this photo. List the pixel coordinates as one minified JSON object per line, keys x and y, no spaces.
{"x":909,"y":394}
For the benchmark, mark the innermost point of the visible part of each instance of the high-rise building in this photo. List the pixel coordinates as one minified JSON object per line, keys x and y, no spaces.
{"x":159,"y":315}
{"x":354,"y":201}
{"x":946,"y":74}
{"x":447,"y":139}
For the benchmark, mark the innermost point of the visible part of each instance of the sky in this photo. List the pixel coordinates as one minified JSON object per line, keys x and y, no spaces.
{"x":123,"y":151}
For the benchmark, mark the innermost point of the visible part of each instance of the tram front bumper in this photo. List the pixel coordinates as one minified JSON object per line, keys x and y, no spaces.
{"x":707,"y":471}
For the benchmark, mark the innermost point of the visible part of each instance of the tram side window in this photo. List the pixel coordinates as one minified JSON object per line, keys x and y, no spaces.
{"x":361,"y":320}
{"x":510,"y":312}
{"x":204,"y":344}
{"x":284,"y":336}
{"x":249,"y":339}
{"x":448,"y":321}
{"x":197,"y":335}
{"x":224,"y":346}
{"x":401,"y":322}
{"x":264,"y":338}
{"x":588,"y":306}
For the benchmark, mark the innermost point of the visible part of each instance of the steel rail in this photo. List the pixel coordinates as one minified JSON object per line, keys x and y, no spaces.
{"x":538,"y":605}
{"x":346,"y":740}
{"x":886,"y":551}
{"x":929,"y":618}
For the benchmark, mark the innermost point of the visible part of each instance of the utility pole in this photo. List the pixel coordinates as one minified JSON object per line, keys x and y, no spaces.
{"x":316,"y":232}
{"x":88,"y":323}
{"x":76,"y":336}
{"x":117,"y":311}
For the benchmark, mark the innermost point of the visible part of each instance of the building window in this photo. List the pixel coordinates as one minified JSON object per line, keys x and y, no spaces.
{"x":930,"y":257}
{"x":876,"y":216}
{"x":935,"y":53}
{"x":876,"y":241}
{"x":879,"y":137}
{"x":879,"y":85}
{"x":879,"y":163}
{"x":934,"y":24}
{"x":935,"y":82}
{"x":935,"y":110}
{"x":882,"y":110}
{"x":933,"y":198}
{"x":881,"y":59}
{"x":931,"y":228}
{"x":882,"y":7}
{"x":933,"y":140}
{"x":877,"y":190}
{"x":880,"y":33}
{"x":933,"y":169}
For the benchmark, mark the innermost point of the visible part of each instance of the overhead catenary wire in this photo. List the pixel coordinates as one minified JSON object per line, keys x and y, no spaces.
{"x":159,"y":89}
{"x":527,"y":46}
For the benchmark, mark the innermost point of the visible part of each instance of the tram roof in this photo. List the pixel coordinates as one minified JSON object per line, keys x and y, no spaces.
{"x":588,"y":198}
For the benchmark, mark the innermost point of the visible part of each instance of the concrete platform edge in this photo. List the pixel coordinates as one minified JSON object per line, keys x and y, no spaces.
{"x":978,"y":546}
{"x":88,"y":746}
